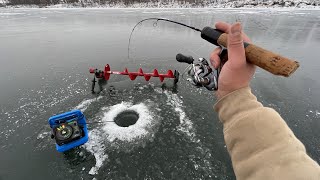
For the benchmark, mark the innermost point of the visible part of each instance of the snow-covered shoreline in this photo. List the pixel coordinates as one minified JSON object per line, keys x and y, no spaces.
{"x":130,"y":8}
{"x":174,"y":8}
{"x":243,"y":4}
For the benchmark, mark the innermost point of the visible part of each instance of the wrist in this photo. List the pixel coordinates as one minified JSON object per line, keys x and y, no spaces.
{"x":235,"y":103}
{"x":222,"y":93}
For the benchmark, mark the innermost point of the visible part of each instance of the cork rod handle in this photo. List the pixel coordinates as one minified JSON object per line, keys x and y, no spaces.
{"x":267,"y":60}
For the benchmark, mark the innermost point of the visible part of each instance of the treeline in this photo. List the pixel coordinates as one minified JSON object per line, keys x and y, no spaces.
{"x":167,"y":3}
{"x":103,"y":2}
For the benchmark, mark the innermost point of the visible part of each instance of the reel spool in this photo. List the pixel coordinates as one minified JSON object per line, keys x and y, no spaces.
{"x":200,"y":74}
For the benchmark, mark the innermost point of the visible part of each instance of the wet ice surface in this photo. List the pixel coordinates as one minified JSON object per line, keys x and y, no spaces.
{"x":46,"y":55}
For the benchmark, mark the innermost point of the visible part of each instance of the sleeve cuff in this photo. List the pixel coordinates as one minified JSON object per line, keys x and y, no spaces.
{"x":235,"y":105}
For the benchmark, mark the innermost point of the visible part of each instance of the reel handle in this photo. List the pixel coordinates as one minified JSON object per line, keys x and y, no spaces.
{"x":267,"y":60}
{"x":184,"y":59}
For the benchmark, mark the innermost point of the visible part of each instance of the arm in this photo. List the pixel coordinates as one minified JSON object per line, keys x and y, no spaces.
{"x":260,"y":143}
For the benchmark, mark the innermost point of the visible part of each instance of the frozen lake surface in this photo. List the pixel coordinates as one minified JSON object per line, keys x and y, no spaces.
{"x":45,"y":56}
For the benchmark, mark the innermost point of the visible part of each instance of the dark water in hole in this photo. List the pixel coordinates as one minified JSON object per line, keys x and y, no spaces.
{"x":45,"y":56}
{"x":126,"y":118}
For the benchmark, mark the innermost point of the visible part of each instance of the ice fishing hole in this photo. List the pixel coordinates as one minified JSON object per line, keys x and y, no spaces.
{"x":126,"y":118}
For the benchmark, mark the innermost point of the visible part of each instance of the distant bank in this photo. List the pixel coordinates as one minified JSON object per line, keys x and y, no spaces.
{"x":160,"y":3}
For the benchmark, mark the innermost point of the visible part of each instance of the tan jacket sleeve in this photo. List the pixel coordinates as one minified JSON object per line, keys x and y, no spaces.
{"x":260,"y":143}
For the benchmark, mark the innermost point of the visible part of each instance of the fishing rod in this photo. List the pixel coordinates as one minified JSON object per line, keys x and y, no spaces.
{"x":70,"y":128}
{"x":265,"y":59}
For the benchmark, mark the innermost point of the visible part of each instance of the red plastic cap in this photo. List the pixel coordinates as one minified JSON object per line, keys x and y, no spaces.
{"x":91,"y":70}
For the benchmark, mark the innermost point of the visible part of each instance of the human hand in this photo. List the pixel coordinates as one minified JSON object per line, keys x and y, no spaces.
{"x":236,"y":73}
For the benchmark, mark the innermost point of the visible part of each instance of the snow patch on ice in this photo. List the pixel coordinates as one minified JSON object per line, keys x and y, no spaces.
{"x":313,"y":114}
{"x":10,"y":14}
{"x":186,"y":125}
{"x":43,"y":135}
{"x":96,"y":146}
{"x":316,"y":112}
{"x":86,"y":103}
{"x":150,"y":12}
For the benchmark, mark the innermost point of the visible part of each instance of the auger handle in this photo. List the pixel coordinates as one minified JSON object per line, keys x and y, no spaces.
{"x":267,"y":60}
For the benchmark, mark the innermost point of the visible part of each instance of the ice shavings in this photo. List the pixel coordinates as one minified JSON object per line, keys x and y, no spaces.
{"x":122,"y":138}
{"x":96,"y":146}
{"x":137,"y":130}
{"x":186,"y":125}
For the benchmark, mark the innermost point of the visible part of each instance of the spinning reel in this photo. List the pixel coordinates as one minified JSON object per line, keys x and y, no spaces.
{"x":200,"y":73}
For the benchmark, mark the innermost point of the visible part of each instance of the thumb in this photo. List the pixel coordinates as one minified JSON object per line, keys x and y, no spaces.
{"x":235,"y":47}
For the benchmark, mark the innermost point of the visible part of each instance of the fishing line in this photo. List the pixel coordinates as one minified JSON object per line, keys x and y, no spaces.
{"x":38,"y":133}
{"x":191,"y":51}
{"x":98,"y":122}
{"x":155,"y":24}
